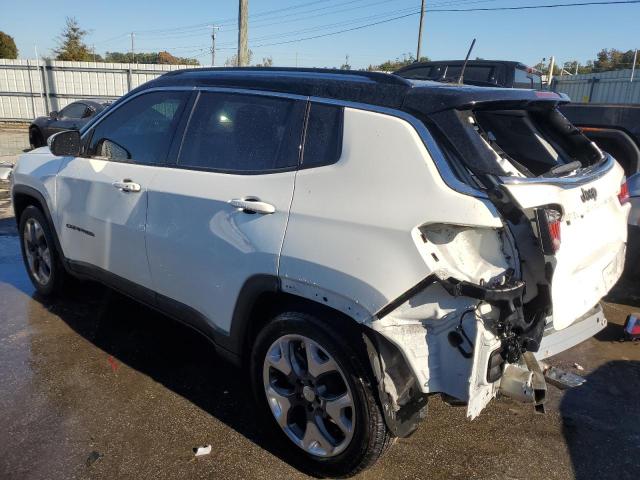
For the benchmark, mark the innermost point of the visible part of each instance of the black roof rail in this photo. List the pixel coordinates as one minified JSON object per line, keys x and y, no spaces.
{"x":377,"y":77}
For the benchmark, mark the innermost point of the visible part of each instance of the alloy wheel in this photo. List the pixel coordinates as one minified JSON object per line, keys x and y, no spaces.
{"x":309,"y":396}
{"x":37,"y":251}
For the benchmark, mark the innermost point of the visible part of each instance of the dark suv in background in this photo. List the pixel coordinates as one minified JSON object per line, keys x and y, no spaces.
{"x":483,"y":73}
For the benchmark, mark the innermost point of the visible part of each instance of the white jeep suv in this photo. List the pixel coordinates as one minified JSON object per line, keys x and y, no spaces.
{"x":358,"y":240}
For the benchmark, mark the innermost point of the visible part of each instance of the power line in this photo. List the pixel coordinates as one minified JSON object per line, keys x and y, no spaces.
{"x":476,"y":9}
{"x":352,"y":21}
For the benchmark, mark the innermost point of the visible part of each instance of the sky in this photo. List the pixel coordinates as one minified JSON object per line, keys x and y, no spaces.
{"x":183,"y":28}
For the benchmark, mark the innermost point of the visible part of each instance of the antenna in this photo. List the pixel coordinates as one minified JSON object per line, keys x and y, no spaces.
{"x":464,"y":65}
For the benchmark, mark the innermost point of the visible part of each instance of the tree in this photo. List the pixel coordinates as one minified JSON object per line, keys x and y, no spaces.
{"x":163,"y":57}
{"x":232,"y":61}
{"x":266,"y":62}
{"x":70,"y":45}
{"x":393,"y":65}
{"x":8,"y":47}
{"x":613,"y":59}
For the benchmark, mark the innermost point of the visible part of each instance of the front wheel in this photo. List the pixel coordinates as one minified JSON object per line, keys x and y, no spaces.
{"x":39,"y":253}
{"x":316,"y":393}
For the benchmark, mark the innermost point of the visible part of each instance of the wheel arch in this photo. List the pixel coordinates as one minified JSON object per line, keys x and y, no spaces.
{"x":394,"y":384}
{"x":24,"y":196}
{"x":262,"y":298}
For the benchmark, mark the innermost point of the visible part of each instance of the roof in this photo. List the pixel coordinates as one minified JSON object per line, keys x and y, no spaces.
{"x":375,"y":88}
{"x":358,"y":86}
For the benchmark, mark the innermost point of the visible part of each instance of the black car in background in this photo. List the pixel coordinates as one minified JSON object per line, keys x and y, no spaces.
{"x":482,"y":73}
{"x":71,"y":117}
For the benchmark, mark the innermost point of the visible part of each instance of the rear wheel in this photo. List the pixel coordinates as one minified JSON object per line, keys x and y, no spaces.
{"x":39,"y":253}
{"x":315,"y":392}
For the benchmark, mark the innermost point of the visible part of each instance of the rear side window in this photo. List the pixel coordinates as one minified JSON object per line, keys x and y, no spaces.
{"x":243,"y":133}
{"x":323,"y":139}
{"x":141,"y":130}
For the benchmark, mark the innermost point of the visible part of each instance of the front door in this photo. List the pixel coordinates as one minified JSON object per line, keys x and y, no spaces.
{"x":217,"y":216}
{"x":102,"y":196}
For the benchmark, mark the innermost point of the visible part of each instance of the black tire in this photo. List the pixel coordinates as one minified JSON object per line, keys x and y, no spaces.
{"x":58,"y":277}
{"x":36,"y":139}
{"x":371,"y":438}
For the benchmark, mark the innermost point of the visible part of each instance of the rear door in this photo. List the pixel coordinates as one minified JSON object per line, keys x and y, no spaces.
{"x":217,"y":216}
{"x":102,"y":197}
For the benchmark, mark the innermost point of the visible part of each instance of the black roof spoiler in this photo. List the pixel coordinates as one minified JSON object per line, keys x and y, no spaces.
{"x":427,"y":100}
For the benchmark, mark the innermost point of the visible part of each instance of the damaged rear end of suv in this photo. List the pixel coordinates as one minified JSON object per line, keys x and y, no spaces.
{"x":501,"y":297}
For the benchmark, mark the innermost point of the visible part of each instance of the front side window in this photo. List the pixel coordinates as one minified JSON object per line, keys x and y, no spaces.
{"x":243,"y":133}
{"x":141,"y":130}
{"x":74,"y":111}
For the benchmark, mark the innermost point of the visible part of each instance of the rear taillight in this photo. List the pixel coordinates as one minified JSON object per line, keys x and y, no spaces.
{"x":623,"y":195}
{"x":549,"y":221}
{"x":553,"y":218}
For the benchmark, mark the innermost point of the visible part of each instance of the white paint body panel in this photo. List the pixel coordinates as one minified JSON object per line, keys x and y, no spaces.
{"x":88,"y":199}
{"x":201,"y":248}
{"x":352,"y":231}
{"x":38,"y":169}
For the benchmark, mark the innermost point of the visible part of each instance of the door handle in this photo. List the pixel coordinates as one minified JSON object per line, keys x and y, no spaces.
{"x":127,"y":186}
{"x":252,"y":205}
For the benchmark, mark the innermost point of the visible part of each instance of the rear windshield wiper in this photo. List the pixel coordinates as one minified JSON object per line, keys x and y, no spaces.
{"x":561,"y":169}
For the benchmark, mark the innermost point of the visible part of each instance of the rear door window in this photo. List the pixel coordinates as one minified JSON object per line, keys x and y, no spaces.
{"x":238,"y":133}
{"x":323,"y":138}
{"x":141,"y":130}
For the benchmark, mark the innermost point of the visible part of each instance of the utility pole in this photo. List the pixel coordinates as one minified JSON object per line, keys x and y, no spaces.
{"x":633,"y":67}
{"x":577,"y":65}
{"x":243,"y":51}
{"x":214,"y":29}
{"x":420,"y":32}
{"x":552,"y":64}
{"x":133,"y":53}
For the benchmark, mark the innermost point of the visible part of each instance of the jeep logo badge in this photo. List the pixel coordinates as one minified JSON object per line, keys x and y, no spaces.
{"x":588,"y":194}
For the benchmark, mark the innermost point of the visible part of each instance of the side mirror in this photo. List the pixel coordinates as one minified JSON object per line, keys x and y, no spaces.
{"x":53,"y":114}
{"x":65,"y":144}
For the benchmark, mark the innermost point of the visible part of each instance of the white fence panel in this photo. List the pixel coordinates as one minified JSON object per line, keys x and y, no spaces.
{"x":606,"y":87}
{"x":31,"y":88}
